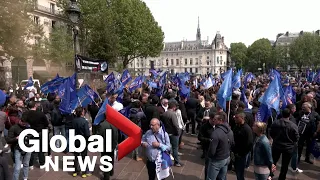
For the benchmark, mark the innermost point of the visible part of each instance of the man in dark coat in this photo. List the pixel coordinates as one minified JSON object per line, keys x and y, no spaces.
{"x":101,"y":130}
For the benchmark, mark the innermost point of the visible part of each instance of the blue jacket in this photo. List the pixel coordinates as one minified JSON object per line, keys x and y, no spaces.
{"x":262,"y":152}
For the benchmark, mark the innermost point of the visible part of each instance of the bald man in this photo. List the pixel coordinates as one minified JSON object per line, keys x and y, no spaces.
{"x":154,"y":140}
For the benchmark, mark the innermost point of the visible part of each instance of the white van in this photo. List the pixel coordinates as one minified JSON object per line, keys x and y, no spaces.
{"x":36,"y":82}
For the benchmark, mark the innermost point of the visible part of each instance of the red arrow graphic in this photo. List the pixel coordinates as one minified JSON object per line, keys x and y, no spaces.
{"x":127,"y":127}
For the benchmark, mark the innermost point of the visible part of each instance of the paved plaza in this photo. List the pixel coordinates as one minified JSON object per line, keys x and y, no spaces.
{"x":193,"y":169}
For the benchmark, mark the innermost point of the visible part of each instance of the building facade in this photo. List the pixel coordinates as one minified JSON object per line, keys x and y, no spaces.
{"x":47,"y":15}
{"x":196,"y":57}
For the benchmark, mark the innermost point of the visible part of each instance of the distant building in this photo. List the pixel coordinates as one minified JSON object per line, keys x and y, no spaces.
{"x":197,"y":57}
{"x":285,"y":39}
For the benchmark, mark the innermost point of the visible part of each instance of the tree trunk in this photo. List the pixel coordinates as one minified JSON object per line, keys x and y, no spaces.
{"x":125,"y":61}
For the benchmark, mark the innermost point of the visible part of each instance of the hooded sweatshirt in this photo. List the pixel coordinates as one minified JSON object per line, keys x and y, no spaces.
{"x":220,"y":145}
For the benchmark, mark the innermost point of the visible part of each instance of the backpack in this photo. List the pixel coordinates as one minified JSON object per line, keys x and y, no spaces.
{"x":134,"y":116}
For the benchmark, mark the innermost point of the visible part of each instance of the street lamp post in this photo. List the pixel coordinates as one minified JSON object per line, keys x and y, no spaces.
{"x":74,"y":16}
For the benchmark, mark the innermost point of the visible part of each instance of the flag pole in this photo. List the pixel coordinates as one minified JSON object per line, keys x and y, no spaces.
{"x":229,"y":111}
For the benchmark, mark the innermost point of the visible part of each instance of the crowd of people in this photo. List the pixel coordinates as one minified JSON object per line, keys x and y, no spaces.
{"x":230,"y":139}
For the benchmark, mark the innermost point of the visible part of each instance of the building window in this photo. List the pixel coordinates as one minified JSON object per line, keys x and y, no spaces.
{"x":131,"y":64}
{"x":196,"y":70}
{"x":208,"y":70}
{"x":36,"y":20}
{"x":172,"y":62}
{"x":52,"y":8}
{"x":185,"y":70}
{"x":197,"y":61}
{"x":208,"y":63}
{"x":185,"y":61}
{"x":208,"y":57}
{"x":137,"y":64}
{"x":220,"y":57}
{"x":218,"y":60}
{"x":53,"y":24}
{"x":207,"y":52}
{"x":191,"y":62}
{"x":167,"y":62}
{"x":177,"y":61}
{"x":190,"y":70}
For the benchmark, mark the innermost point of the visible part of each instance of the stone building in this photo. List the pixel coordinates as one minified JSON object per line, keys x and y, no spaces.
{"x":197,"y":57}
{"x":48,"y":15}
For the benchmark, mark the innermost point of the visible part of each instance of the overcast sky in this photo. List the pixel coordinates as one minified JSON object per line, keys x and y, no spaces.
{"x":237,"y":20}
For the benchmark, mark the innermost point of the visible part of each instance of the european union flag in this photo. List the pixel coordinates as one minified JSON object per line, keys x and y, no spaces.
{"x":272,"y":96}
{"x":68,"y":93}
{"x":85,"y":96}
{"x":137,"y":83}
{"x":110,"y":78}
{"x":45,"y":88}
{"x":3,"y":98}
{"x":29,"y":83}
{"x":273,"y":74}
{"x":126,"y":77}
{"x":289,"y":97}
{"x":236,"y":82}
{"x":243,"y":97}
{"x":101,"y":113}
{"x":225,"y":90}
{"x":263,"y":113}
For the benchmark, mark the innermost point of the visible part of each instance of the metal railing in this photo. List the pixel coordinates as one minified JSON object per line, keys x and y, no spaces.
{"x":48,"y":10}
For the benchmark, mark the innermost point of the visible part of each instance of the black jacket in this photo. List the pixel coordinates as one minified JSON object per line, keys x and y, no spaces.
{"x":243,"y":138}
{"x":151,"y":111}
{"x":57,"y":118}
{"x":81,"y":127}
{"x":170,"y":122}
{"x":192,"y":106}
{"x":204,"y":135}
{"x":13,"y":133}
{"x":284,"y":134}
{"x":101,"y":130}
{"x":36,"y":119}
{"x":182,"y":107}
{"x":221,"y":142}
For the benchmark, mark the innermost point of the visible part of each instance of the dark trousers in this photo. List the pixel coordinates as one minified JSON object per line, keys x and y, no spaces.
{"x":180,"y":137}
{"x":240,"y":163}
{"x":151,"y":166}
{"x":302,"y":140}
{"x":83,"y":154}
{"x":193,"y":124}
{"x":174,"y":140}
{"x":286,"y":157}
{"x":106,"y":175}
{"x":40,"y":154}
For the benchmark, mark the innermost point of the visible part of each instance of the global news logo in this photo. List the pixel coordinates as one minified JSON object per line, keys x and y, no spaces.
{"x":77,"y":144}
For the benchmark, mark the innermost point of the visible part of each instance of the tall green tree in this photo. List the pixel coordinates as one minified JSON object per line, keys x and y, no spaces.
{"x":259,"y":54}
{"x":16,"y":27}
{"x":59,"y":46}
{"x":239,"y":54}
{"x":304,"y":50}
{"x":119,"y":29}
{"x":280,"y":56}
